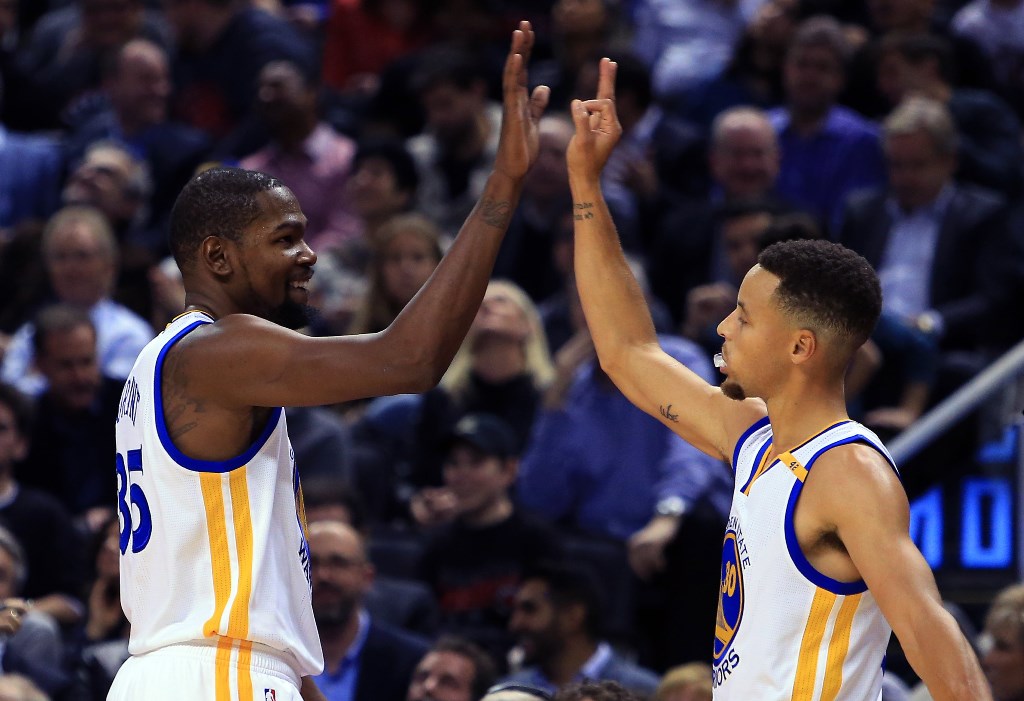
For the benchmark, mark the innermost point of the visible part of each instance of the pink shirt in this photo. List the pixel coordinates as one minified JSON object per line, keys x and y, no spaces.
{"x":316,"y":174}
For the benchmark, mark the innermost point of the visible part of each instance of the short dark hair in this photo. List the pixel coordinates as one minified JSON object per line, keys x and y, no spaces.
{"x":57,"y":318}
{"x":484,"y":670}
{"x":216,"y":202}
{"x":572,"y":584}
{"x":605,"y":690}
{"x":826,"y":286}
{"x":329,"y":491}
{"x":20,"y":406}
{"x":825,"y":32}
{"x":397,"y":156}
{"x":918,"y":47}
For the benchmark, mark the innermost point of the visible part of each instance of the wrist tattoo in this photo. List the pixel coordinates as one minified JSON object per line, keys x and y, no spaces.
{"x":495,"y":213}
{"x":666,"y":411}
{"x":582,"y":210}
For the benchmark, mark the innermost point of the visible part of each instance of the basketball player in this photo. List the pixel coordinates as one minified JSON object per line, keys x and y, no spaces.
{"x":817,"y":560}
{"x":214,"y":561}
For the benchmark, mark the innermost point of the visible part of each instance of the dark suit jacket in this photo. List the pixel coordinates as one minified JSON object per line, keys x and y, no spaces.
{"x":978,"y":267}
{"x":388,"y":659}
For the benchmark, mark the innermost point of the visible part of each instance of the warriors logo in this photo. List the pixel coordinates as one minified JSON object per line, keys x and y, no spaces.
{"x":730,"y":598}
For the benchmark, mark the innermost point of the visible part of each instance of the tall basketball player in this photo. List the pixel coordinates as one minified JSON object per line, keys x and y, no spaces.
{"x":214,"y":562}
{"x":817,"y":562}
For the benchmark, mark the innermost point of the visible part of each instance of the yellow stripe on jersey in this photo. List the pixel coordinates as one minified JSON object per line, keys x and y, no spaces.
{"x":838,"y":647}
{"x":223,"y":669}
{"x":790,"y":461}
{"x":238,"y":624}
{"x":245,"y":670}
{"x":217,"y":531}
{"x":810,"y":645}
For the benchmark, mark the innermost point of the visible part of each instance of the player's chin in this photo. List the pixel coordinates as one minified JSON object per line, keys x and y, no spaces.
{"x":732,"y":389}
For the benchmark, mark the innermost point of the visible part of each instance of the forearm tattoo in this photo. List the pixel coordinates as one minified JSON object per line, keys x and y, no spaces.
{"x":583,"y":210}
{"x":666,"y":411}
{"x":496,"y":213}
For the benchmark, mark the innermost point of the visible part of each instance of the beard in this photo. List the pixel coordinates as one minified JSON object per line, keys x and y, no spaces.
{"x":292,"y":315}
{"x":337,"y":614}
{"x":732,"y":390}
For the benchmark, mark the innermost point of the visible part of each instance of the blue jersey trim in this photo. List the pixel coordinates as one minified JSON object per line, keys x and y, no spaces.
{"x":757,"y":462}
{"x":165,"y":438}
{"x":756,"y":426}
{"x":796,"y":554}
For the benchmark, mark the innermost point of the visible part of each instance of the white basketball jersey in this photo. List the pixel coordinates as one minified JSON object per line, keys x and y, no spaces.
{"x":210,"y":551}
{"x":786,"y":631}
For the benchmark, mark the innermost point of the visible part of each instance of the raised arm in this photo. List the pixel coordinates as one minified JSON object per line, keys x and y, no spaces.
{"x":855,"y":491}
{"x":614,"y":304}
{"x":285,"y":368}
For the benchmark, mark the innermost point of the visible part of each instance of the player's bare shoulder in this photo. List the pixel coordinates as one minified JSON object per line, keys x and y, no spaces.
{"x":855,"y":480}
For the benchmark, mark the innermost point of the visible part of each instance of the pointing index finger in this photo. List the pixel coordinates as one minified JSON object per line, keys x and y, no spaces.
{"x":606,"y":79}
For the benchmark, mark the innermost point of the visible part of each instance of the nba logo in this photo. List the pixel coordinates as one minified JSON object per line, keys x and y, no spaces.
{"x":269,"y":695}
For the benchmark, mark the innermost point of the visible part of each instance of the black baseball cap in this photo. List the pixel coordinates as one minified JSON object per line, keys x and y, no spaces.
{"x":486,"y":432}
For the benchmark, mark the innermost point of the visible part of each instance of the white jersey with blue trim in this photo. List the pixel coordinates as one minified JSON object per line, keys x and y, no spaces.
{"x":211,"y":552}
{"x":784,"y":630}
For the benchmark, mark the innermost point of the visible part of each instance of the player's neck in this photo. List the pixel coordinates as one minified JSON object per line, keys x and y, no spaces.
{"x":796,"y":416}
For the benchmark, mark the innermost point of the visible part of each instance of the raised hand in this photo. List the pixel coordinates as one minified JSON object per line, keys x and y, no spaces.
{"x":597,"y":126}
{"x":517,"y":148}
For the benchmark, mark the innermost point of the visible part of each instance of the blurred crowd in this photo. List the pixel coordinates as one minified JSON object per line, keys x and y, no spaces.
{"x":521,"y":521}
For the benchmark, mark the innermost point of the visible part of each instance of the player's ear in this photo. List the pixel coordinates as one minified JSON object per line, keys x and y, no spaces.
{"x":805,"y":344}
{"x":215,"y":255}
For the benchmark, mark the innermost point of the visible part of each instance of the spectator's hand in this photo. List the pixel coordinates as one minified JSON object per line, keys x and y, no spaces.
{"x":433,"y":506}
{"x":10,"y":616}
{"x":597,"y":126}
{"x":95,"y":518}
{"x":647,"y":546}
{"x":105,"y":614}
{"x":519,"y":142}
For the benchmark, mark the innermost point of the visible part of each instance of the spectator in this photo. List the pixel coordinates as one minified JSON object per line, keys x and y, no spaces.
{"x":322,"y":443}
{"x":72,"y":441}
{"x":408,"y":249}
{"x":105,"y":644}
{"x":30,"y":173}
{"x":557,"y":621}
{"x":48,"y":553}
{"x":744,"y":161}
{"x":361,"y":38}
{"x":452,"y":670}
{"x":527,"y":253}
{"x":222,"y":45}
{"x":397,"y":602}
{"x":65,"y":54}
{"x":688,"y":682}
{"x":502,"y":368}
{"x":596,"y":691}
{"x":457,"y":147}
{"x":828,"y":151}
{"x":997,"y":28}
{"x":476,"y":559}
{"x":948,"y":262}
{"x":15,"y":687}
{"x":988,"y":133}
{"x":305,"y":153}
{"x":80,"y":254}
{"x":32,"y":644}
{"x":137,"y":87}
{"x":1003,"y":657}
{"x":382,"y":185}
{"x":601,"y":466}
{"x":691,"y":43}
{"x":364,"y":659}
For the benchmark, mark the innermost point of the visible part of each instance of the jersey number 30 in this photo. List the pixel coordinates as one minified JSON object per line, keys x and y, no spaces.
{"x":129,"y":495}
